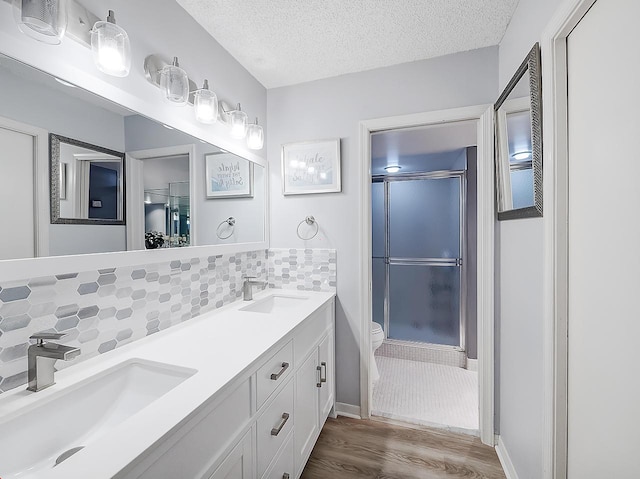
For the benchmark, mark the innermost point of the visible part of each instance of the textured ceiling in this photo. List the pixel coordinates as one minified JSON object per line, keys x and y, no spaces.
{"x":283,"y":42}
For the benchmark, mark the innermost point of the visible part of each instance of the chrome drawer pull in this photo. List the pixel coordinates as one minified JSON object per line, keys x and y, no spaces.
{"x":319,"y":383}
{"x":276,"y":430}
{"x":323,"y":379}
{"x":285,"y":475}
{"x":275,"y":377}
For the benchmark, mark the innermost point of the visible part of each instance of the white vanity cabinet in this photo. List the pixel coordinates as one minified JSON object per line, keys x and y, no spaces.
{"x":264,"y":423}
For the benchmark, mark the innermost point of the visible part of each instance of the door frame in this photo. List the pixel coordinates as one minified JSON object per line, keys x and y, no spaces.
{"x":40,"y":182}
{"x":135,"y":190}
{"x":555,"y":220}
{"x":484,"y":116}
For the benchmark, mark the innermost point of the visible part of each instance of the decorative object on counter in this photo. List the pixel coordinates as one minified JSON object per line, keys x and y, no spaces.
{"x":228,"y":176}
{"x":230,"y":225}
{"x":255,"y":136}
{"x":519,"y":142}
{"x":42,"y":20}
{"x":313,"y":224}
{"x":111,"y":47}
{"x":311,"y":167}
{"x":153,"y":240}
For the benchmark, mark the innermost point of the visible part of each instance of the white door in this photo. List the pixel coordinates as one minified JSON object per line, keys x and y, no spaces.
{"x":238,"y":464}
{"x":604,"y":242}
{"x":17,"y":236}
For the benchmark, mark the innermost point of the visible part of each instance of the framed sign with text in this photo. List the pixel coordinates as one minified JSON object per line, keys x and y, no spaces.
{"x":311,"y":167}
{"x":228,"y":176}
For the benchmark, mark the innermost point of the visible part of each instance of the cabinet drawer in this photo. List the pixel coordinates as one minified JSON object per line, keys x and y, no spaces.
{"x":273,"y":427}
{"x":274,"y":372}
{"x":283,"y":466}
{"x":312,"y":332}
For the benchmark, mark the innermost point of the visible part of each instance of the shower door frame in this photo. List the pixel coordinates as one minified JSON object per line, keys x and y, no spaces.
{"x":388,"y":260}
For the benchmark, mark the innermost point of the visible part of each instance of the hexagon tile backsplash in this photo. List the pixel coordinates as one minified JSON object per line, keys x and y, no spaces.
{"x":102,"y":310}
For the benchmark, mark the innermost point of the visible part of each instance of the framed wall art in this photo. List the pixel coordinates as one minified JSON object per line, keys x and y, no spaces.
{"x":228,"y":176}
{"x":311,"y":167}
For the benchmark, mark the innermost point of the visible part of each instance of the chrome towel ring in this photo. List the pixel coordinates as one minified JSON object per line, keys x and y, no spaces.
{"x":231,"y":223}
{"x":310,"y":220}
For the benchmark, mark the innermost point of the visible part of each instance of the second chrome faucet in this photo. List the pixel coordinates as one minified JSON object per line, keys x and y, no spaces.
{"x":42,"y":357}
{"x":247,"y":286}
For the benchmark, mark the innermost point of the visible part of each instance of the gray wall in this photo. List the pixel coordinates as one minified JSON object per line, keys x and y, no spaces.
{"x":520,"y":287}
{"x":332,"y":108}
{"x":57,"y":112}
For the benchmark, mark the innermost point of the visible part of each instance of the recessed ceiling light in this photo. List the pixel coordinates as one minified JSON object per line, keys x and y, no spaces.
{"x":392,"y":168}
{"x":521,"y":155}
{"x":65,"y":83}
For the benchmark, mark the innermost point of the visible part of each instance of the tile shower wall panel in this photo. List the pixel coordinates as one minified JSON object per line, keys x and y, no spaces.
{"x":303,"y":269}
{"x":102,"y":310}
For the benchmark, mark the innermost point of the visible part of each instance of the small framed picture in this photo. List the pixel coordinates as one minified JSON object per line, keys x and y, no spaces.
{"x":228,"y":176}
{"x":311,"y":167}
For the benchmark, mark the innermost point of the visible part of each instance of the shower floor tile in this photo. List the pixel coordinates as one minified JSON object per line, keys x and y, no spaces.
{"x":427,"y":394}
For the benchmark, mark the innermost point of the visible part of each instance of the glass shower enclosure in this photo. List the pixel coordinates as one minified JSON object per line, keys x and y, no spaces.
{"x":418,"y":244}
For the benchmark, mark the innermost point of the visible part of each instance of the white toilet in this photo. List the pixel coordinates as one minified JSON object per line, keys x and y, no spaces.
{"x":377,"y":336}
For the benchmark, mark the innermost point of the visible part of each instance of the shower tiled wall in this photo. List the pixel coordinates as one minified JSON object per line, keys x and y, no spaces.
{"x":102,"y":310}
{"x":302,"y":269}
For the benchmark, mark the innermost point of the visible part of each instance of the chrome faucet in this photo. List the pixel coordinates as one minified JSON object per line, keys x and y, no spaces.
{"x":247,"y":289}
{"x":42,"y":356}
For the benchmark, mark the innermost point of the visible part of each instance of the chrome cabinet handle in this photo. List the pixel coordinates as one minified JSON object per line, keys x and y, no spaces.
{"x":275,"y":377}
{"x":285,"y":475}
{"x":323,"y":379}
{"x":276,"y":430}
{"x":319,"y":370}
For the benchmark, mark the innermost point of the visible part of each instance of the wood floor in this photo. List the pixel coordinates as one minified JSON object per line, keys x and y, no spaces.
{"x":374,"y":449}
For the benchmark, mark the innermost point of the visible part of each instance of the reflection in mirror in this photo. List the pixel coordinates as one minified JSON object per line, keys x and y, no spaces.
{"x":163,"y":182}
{"x":87,"y":183}
{"x":519,"y":143}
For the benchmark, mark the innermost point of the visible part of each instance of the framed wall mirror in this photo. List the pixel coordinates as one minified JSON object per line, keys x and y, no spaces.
{"x":54,"y":137}
{"x":519,"y":142}
{"x":87,"y":183}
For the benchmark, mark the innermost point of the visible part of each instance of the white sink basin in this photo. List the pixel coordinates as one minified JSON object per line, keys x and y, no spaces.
{"x":32,"y":439}
{"x":274,"y":304}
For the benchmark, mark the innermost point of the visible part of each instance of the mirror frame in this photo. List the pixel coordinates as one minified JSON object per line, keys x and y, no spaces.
{"x":54,"y":175}
{"x":530,"y":64}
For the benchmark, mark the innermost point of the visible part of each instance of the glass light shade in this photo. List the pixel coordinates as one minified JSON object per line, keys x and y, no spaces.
{"x":255,"y":136}
{"x":111,"y":49}
{"x":205,"y":103}
{"x":238,"y":122}
{"x":174,"y":83}
{"x":43,"y":20}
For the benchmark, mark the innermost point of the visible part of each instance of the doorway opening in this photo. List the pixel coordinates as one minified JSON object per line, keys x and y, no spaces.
{"x":423,"y":199}
{"x":427,"y":242}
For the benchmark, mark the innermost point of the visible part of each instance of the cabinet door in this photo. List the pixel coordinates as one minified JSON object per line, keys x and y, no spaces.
{"x":306,"y":424}
{"x":326,"y":391}
{"x":238,"y":464}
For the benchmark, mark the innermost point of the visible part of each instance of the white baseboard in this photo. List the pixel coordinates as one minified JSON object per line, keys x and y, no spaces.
{"x":505,"y":460}
{"x":472,"y":364}
{"x":348,"y":410}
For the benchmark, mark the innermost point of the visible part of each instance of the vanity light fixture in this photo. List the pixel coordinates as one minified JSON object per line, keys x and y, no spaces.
{"x":111,"y":47}
{"x":521,"y":155}
{"x":42,"y":20}
{"x":392,"y":168}
{"x":255,"y":136}
{"x":174,"y":83}
{"x":206,"y":104}
{"x":238,"y":123}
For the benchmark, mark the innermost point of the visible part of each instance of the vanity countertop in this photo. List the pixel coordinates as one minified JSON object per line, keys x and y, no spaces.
{"x":220,"y":345}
